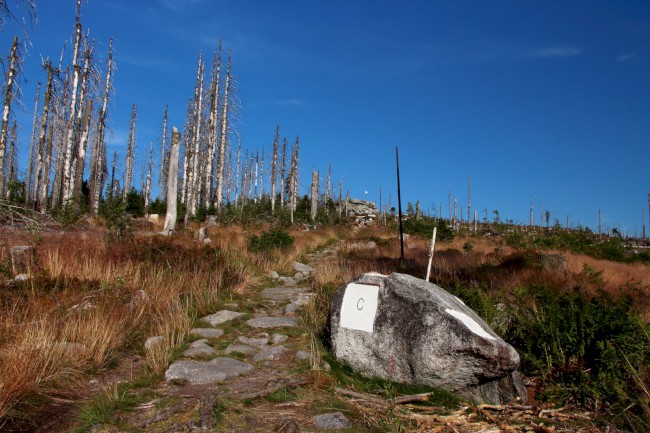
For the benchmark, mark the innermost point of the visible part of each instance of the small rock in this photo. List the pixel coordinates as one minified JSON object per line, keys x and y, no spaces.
{"x":199,"y":350}
{"x":21,"y":278}
{"x":301,"y":267}
{"x":298,"y":276}
{"x":255,"y":341}
{"x":303,"y":355}
{"x":279,"y":338}
{"x":221,"y":317}
{"x":334,"y":420}
{"x":21,"y":258}
{"x":287,"y":281}
{"x":272,"y":322}
{"x":274,"y":274}
{"x":207,"y":332}
{"x":240,"y":348}
{"x":139,"y":297}
{"x":291,"y":308}
{"x":83,"y":306}
{"x":270,"y":354}
{"x":153,"y":342}
{"x":207,"y":241}
{"x":212,"y":221}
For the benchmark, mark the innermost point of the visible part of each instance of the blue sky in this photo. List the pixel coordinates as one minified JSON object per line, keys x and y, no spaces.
{"x":545,"y":99}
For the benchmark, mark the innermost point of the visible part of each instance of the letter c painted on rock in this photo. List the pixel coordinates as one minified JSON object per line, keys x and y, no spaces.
{"x":360,"y":301}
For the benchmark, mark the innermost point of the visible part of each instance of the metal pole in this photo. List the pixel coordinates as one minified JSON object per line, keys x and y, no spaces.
{"x":399,"y":206}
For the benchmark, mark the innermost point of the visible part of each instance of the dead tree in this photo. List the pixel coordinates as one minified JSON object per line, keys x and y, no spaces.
{"x":67,"y":156}
{"x":163,"y":156}
{"x":469,"y":202}
{"x":237,"y":174}
{"x":98,"y":169}
{"x":213,"y":123}
{"x":283,"y":171}
{"x":12,"y":164}
{"x":11,"y":91}
{"x":274,"y":166}
{"x":172,"y":183}
{"x":84,"y":117}
{"x":30,"y":161}
{"x":292,"y":182}
{"x":128,"y":176}
{"x":44,"y":158}
{"x":328,"y":185}
{"x":223,"y":139}
{"x":147,"y":185}
{"x":193,"y":178}
{"x":314,"y":194}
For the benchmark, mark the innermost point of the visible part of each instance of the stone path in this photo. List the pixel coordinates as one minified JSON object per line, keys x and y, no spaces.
{"x":237,"y":360}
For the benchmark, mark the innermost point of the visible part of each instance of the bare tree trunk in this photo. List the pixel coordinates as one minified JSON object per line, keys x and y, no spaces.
{"x":98,"y":168}
{"x":147,"y":186}
{"x":40,"y":189}
{"x":187,"y":154}
{"x":262,"y":175}
{"x":84,"y":116}
{"x":12,"y":165}
{"x":113,"y":190}
{"x":223,"y":141}
{"x":129,"y":154}
{"x":70,"y":139}
{"x":255,"y":175}
{"x":193,"y":179}
{"x":213,"y":123}
{"x":283,"y":171}
{"x":274,"y":166}
{"x":9,"y":95}
{"x":172,"y":183}
{"x":237,"y":172}
{"x":293,"y":178}
{"x":328,"y":185}
{"x":163,"y":156}
{"x":314,"y":194}
{"x":30,"y":161}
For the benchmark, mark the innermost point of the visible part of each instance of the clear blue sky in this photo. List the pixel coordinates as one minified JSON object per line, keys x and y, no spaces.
{"x":549,"y":99}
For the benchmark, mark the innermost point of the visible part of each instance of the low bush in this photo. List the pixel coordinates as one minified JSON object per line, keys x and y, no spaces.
{"x":271,"y":240}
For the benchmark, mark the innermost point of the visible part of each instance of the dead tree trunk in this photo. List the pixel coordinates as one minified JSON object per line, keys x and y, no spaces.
{"x":98,"y":169}
{"x":128,"y":176}
{"x":213,"y":124}
{"x":30,"y":161}
{"x":70,"y":132}
{"x":163,"y":156}
{"x":12,"y":164}
{"x":314,"y":194}
{"x":147,"y":185}
{"x":172,"y":183}
{"x":274,"y":166}
{"x":223,"y":140}
{"x":283,"y":171}
{"x":193,"y":179}
{"x":469,"y":202}
{"x":9,"y":96}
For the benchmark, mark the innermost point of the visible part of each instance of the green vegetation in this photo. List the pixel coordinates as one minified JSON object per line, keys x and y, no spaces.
{"x":271,"y":240}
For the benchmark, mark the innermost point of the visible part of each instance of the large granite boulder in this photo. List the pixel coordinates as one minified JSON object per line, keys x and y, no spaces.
{"x":407,"y":330}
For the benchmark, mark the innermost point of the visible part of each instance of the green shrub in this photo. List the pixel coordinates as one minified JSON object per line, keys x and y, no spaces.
{"x":273,"y":239}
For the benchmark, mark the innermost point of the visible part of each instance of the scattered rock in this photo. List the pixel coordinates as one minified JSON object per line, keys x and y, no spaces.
{"x":270,"y":354}
{"x":21,"y":278}
{"x":240,"y":348}
{"x":301,"y":300}
{"x":279,"y":338}
{"x":255,"y":341}
{"x":272,"y":322}
{"x":139,"y":297}
{"x":303,"y":355}
{"x":199,"y":349}
{"x":84,"y":305}
{"x":334,"y":421}
{"x":421,"y":334}
{"x":207,"y":332}
{"x":301,"y":267}
{"x":152,"y":342}
{"x":203,"y":372}
{"x":274,"y":274}
{"x":299,"y":276}
{"x":212,"y":221}
{"x":207,"y":241}
{"x":287,"y":281}
{"x":221,"y":317}
{"x":22,"y":259}
{"x":282,"y":293}
{"x":362,"y":245}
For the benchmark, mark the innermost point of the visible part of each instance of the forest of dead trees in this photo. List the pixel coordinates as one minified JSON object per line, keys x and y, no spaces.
{"x":68,"y":166}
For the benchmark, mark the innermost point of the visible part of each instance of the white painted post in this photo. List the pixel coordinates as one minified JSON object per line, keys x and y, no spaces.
{"x":433,"y":245}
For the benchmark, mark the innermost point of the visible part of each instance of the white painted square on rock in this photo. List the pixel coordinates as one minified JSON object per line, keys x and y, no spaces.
{"x":359,"y":307}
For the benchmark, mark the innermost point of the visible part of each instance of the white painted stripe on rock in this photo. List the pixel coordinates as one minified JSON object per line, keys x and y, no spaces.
{"x":470,"y":324}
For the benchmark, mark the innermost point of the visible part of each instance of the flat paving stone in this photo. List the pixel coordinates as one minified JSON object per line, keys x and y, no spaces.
{"x":240,"y":348}
{"x":270,"y":354}
{"x":301,"y":267}
{"x":255,"y":341}
{"x":279,"y":338}
{"x":334,"y":421}
{"x":272,"y":322}
{"x":222,"y":316}
{"x":282,"y":293}
{"x":199,"y":350}
{"x":207,"y":332}
{"x":203,"y":372}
